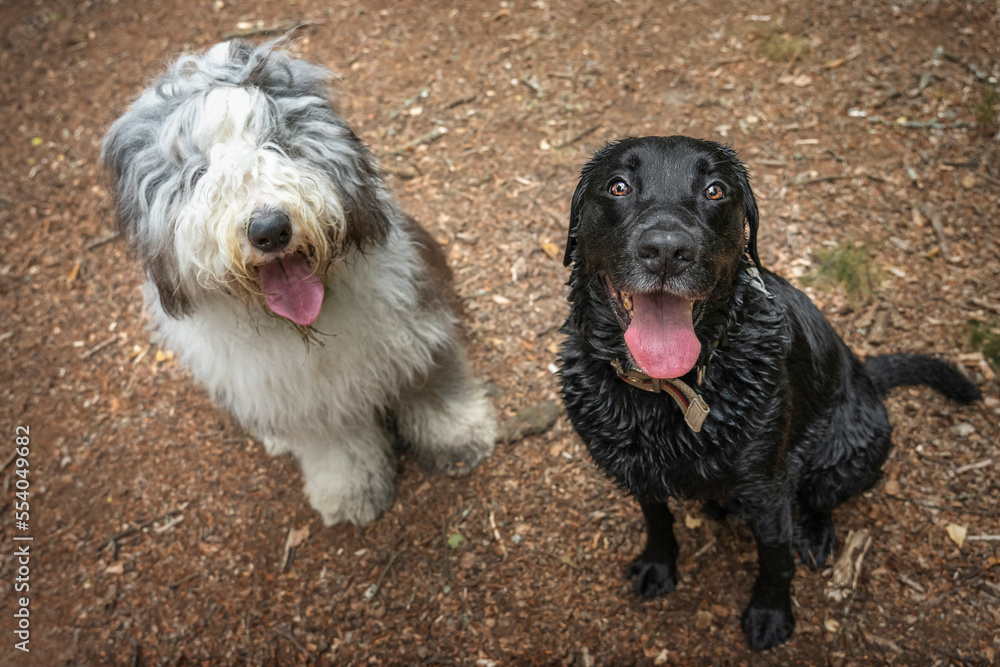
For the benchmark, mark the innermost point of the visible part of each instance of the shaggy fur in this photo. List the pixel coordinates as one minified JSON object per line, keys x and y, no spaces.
{"x":796,"y":423}
{"x":286,"y":277}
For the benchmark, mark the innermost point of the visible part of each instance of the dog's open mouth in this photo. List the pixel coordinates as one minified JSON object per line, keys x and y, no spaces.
{"x":659,"y":331}
{"x":292,"y":289}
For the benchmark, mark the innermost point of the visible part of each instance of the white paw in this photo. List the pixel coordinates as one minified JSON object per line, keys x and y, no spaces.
{"x":275,"y":446}
{"x":456,"y":439}
{"x":360,"y":507}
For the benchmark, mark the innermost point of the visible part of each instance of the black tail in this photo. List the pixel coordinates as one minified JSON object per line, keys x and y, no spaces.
{"x":891,"y":370}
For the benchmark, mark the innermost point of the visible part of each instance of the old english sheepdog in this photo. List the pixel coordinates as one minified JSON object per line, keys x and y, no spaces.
{"x":286,"y":277}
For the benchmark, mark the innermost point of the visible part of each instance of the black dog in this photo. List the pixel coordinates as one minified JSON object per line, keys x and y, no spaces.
{"x":771,"y":411}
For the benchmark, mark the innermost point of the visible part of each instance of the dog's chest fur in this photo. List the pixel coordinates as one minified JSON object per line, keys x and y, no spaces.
{"x":644,"y":443}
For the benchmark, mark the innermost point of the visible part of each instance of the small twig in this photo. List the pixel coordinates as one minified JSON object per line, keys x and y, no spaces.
{"x":911,"y":583}
{"x":958,"y":584}
{"x":700,"y":552}
{"x":180,"y":582}
{"x":954,"y":656}
{"x":496,"y":534}
{"x":426,"y":138}
{"x":131,"y":530}
{"x":97,"y":348}
{"x":246,"y":626}
{"x":934,"y":216}
{"x":939,"y":52}
{"x":578,"y":137}
{"x":381,"y":580}
{"x":459,"y":102}
{"x":98,"y":242}
{"x":261,"y":29}
{"x":285,"y":634}
{"x":532,"y":85}
{"x":972,"y":466}
{"x":820,"y":179}
{"x":8,"y":462}
{"x":921,"y":125}
{"x":561,"y":561}
{"x":982,"y":538}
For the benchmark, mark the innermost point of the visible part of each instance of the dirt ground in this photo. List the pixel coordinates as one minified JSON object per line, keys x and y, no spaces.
{"x":159,"y":527}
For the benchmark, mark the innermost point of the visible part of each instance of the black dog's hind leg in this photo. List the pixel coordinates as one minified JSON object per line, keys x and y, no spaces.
{"x":654,"y":572}
{"x":860,"y":437}
{"x":815,"y":536}
{"x":767,"y":621}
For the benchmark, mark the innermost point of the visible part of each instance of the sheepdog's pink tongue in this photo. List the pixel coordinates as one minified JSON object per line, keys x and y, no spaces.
{"x":661,"y":336}
{"x":292,"y":289}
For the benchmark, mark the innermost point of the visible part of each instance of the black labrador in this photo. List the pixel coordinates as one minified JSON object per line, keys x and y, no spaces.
{"x":690,"y":371}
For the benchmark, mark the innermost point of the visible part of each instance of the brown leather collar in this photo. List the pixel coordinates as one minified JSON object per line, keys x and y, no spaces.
{"x":688,"y":400}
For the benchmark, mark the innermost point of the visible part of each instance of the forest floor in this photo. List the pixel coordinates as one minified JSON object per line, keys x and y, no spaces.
{"x":159,"y":527}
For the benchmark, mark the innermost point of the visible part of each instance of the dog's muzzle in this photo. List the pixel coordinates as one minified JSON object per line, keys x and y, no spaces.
{"x":290,"y":285}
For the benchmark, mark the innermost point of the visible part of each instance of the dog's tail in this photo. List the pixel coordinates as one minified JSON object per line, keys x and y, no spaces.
{"x":891,"y":370}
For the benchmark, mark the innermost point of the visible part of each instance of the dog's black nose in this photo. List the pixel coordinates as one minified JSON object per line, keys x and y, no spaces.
{"x":269,"y":230}
{"x":665,"y":253}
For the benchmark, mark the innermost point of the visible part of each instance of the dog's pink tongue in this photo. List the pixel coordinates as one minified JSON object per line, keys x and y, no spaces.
{"x":661,"y":336}
{"x":292,"y":289}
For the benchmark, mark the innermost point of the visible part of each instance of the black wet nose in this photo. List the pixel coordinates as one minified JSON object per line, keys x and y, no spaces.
{"x":666,"y":253}
{"x":269,"y":230}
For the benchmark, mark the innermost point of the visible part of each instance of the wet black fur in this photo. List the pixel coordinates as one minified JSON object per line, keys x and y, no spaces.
{"x":797,"y":424}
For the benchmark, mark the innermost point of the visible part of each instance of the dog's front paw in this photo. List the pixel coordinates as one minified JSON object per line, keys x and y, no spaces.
{"x":767,"y":627}
{"x":360,"y":508}
{"x":460,"y":460}
{"x":452,"y":440}
{"x":275,"y":446}
{"x":651,"y":579}
{"x":815,"y":539}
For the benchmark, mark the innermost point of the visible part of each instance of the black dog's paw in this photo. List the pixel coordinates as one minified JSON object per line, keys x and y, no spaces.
{"x":815,"y":539}
{"x":651,"y":579}
{"x":767,"y":627}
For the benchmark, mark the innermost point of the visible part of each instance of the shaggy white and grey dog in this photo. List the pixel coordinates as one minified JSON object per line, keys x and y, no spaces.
{"x":286,"y":277}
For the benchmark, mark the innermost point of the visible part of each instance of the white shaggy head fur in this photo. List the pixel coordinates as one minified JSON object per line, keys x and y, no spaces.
{"x":221,"y":138}
{"x":253,"y":207}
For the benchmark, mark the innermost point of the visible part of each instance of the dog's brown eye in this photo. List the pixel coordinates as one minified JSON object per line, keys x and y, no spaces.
{"x":715,"y":191}
{"x":619,"y":189}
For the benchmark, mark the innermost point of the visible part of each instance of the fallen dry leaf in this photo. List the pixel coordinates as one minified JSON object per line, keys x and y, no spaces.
{"x":296,"y":536}
{"x":551,"y":249}
{"x":957,"y":533}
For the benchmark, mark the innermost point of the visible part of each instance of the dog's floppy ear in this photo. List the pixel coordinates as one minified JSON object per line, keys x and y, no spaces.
{"x":364,"y":207}
{"x":136,"y":177}
{"x":575,"y":211}
{"x":750,"y":215}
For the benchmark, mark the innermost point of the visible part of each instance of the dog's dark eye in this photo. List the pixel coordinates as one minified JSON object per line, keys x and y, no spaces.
{"x":619,"y":188}
{"x":715,"y":191}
